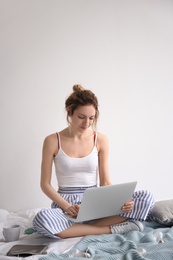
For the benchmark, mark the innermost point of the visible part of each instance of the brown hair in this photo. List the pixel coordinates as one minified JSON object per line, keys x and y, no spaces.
{"x":81,"y":97}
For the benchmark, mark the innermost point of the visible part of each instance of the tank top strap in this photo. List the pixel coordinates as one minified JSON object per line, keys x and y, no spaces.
{"x":95,"y":138}
{"x":59,"y":141}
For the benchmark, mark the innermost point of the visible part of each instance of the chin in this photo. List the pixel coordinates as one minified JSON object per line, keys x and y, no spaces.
{"x":83,"y":129}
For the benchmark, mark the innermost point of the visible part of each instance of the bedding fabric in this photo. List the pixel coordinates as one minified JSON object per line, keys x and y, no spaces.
{"x":27,"y":236}
{"x":131,"y":246}
{"x":154,"y":243}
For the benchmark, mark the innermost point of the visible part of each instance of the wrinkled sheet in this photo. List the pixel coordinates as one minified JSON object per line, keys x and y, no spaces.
{"x":131,"y":246}
{"x":155,"y":242}
{"x":24,"y":219}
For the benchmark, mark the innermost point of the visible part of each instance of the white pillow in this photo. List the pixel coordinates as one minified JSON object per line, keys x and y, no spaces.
{"x":3,"y":215}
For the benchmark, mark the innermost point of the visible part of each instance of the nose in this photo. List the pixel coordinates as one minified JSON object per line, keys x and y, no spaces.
{"x":86,"y":121}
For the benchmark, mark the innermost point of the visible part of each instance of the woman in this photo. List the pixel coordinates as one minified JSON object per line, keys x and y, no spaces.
{"x":80,"y":157}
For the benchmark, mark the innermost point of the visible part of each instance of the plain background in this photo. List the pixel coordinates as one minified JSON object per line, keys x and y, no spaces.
{"x":120,"y":49}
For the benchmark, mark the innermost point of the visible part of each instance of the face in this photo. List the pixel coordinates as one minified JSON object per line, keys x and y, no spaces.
{"x":83,"y":118}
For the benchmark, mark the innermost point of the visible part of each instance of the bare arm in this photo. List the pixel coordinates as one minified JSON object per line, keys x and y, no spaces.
{"x":103,"y":149}
{"x":49,"y":150}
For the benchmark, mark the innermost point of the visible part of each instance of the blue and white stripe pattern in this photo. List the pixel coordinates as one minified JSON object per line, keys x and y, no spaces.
{"x":143,"y":204}
{"x":51,"y":221}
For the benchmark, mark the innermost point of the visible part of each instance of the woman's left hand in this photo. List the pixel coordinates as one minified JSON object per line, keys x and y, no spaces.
{"x":127,"y":207}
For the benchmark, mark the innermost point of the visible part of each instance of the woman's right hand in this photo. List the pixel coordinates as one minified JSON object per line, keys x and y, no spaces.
{"x":73,"y":210}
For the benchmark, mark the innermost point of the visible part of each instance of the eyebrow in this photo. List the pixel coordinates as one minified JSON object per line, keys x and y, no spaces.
{"x":85,"y":115}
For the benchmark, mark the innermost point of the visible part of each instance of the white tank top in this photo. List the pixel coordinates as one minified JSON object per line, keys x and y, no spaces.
{"x":76,"y":172}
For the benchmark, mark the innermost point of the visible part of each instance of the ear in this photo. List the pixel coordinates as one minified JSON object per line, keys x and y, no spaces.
{"x":68,"y":111}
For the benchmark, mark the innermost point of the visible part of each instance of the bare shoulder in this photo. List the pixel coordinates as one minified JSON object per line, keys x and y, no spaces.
{"x":102,"y":140}
{"x":50,"y":138}
{"x":101,"y":137}
{"x":51,"y":143}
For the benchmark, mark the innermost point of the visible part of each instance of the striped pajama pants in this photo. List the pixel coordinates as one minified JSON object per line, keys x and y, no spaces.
{"x":51,"y":221}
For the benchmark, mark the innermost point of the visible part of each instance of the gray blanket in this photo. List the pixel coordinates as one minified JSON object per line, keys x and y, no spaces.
{"x":154,"y":243}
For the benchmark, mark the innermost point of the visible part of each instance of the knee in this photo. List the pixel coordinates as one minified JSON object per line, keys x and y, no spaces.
{"x":38,"y":220}
{"x":144,"y":195}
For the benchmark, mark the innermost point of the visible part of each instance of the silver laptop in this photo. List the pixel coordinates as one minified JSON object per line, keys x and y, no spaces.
{"x":104,"y":201}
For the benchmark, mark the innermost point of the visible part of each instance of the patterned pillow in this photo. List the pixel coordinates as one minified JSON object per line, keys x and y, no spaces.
{"x":163,"y":212}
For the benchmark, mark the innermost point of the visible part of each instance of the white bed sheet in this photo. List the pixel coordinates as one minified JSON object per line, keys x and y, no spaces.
{"x":24,"y":219}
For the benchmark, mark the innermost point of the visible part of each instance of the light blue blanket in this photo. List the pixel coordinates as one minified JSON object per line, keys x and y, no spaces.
{"x":154,"y":243}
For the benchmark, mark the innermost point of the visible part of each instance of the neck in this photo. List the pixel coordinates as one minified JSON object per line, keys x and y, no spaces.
{"x":78,"y":135}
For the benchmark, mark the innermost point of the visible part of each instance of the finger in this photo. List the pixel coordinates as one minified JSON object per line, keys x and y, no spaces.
{"x":77,"y":207}
{"x":127,"y":208}
{"x":130,"y":202}
{"x":72,"y":211}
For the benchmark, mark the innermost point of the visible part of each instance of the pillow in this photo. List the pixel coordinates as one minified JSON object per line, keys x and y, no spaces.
{"x":3,"y":214}
{"x":163,"y":212}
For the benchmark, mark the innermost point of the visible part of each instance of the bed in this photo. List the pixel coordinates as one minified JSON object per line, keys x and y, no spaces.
{"x":154,"y":242}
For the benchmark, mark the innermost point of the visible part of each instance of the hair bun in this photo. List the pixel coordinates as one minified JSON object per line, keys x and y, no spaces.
{"x":77,"y":88}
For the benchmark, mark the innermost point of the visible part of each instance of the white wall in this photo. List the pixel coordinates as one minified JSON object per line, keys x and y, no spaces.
{"x":120,"y":49}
